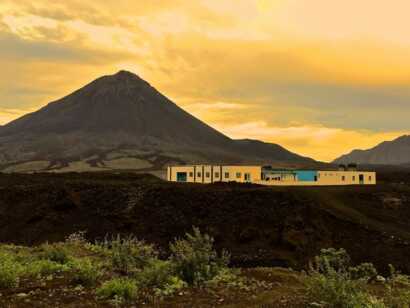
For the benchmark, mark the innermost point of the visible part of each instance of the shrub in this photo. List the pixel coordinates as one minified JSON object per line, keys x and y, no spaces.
{"x":363,"y":271}
{"x":85,"y":272}
{"x":331,"y":259}
{"x":398,"y":290}
{"x":336,"y":290}
{"x":77,"y":238}
{"x":10,"y":271}
{"x":333,"y":282}
{"x":55,"y":252}
{"x":172,"y":285}
{"x":161,"y":277}
{"x":229,"y":278}
{"x":156,"y":274}
{"x":121,"y":289}
{"x":129,"y":254}
{"x":43,"y":268}
{"x":195,"y":259}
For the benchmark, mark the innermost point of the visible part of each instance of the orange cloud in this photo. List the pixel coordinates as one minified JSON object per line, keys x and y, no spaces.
{"x":309,"y":75}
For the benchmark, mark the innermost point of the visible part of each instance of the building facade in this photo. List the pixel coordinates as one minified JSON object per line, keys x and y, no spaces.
{"x":213,"y":173}
{"x":267,"y":175}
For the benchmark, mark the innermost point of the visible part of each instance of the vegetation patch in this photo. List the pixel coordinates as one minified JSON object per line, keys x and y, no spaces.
{"x":124,"y":271}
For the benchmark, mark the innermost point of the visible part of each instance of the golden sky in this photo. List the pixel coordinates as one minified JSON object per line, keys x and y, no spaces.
{"x":319,"y":77}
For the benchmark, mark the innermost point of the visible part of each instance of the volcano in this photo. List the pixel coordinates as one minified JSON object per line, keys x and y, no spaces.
{"x":121,"y":122}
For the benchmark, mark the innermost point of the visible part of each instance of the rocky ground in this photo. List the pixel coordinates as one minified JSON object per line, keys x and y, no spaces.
{"x":278,"y":288}
{"x":260,"y":226}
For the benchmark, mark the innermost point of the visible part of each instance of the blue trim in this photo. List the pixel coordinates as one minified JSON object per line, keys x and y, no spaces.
{"x":306,"y":175}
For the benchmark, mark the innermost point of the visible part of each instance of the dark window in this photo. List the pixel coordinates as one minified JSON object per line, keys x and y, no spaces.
{"x":370,"y":178}
{"x":191,"y":174}
{"x":226,"y":175}
{"x":238,"y":175}
{"x":353,"y":178}
{"x":343,"y":178}
{"x":199,"y":174}
{"x":207,"y":174}
{"x":217,"y":174}
{"x":181,"y":176}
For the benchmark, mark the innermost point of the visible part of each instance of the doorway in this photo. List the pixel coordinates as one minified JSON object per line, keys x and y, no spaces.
{"x":181,"y":177}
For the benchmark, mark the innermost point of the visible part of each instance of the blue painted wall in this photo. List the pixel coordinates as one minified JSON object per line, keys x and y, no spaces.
{"x":306,"y":175}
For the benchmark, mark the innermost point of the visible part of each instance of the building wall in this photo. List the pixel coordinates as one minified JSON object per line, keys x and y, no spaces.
{"x":214,"y":173}
{"x":330,"y":178}
{"x":346,"y":177}
{"x":237,"y":173}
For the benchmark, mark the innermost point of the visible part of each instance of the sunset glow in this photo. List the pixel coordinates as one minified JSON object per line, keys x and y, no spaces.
{"x":318,"y":77}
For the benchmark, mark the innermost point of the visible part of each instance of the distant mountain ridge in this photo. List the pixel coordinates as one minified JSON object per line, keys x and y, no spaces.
{"x":121,"y":122}
{"x":395,"y":152}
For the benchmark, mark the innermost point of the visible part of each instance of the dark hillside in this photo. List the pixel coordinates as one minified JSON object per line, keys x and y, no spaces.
{"x":121,"y":122}
{"x":258,"y":225}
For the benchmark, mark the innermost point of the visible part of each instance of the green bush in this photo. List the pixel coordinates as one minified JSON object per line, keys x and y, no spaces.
{"x":398,"y":290}
{"x":363,"y":271}
{"x":336,"y":289}
{"x":195,"y":259}
{"x":85,"y":272}
{"x":54,"y":252}
{"x":331,"y":259}
{"x":228,"y":277}
{"x":10,"y":271}
{"x":332,"y":281}
{"x":120,"y":289}
{"x":43,"y":268}
{"x":155,"y":274}
{"x":172,"y":285}
{"x":161,"y":277}
{"x":128,"y":254}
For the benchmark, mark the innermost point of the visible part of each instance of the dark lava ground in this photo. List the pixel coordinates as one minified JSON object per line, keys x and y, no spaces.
{"x":266,"y":226}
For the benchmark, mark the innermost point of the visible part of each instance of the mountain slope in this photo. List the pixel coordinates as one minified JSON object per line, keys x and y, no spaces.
{"x":396,"y":152}
{"x":122,"y":117}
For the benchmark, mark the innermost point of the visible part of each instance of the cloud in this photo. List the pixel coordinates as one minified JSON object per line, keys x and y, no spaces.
{"x":323,"y":143}
{"x":284,"y":68}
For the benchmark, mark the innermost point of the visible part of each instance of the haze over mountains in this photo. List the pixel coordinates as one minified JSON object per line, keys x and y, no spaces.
{"x":121,"y":122}
{"x":396,"y":152}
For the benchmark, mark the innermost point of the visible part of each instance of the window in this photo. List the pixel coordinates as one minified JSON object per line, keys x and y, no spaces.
{"x":216,"y":174}
{"x":353,"y":178}
{"x":191,"y":174}
{"x":199,"y":174}
{"x":370,"y":178}
{"x":343,"y":178}
{"x":247,"y":177}
{"x":238,"y":175}
{"x":226,"y":175}
{"x":207,"y":174}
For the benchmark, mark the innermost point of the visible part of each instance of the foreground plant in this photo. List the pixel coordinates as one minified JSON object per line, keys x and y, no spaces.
{"x":128,"y":254}
{"x":332,"y":282}
{"x":54,"y":252}
{"x":119,"y":289}
{"x":195,"y":259}
{"x":85,"y":272}
{"x":10,"y":271}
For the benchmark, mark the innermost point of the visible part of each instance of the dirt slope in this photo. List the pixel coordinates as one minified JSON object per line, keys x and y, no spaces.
{"x":258,"y":225}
